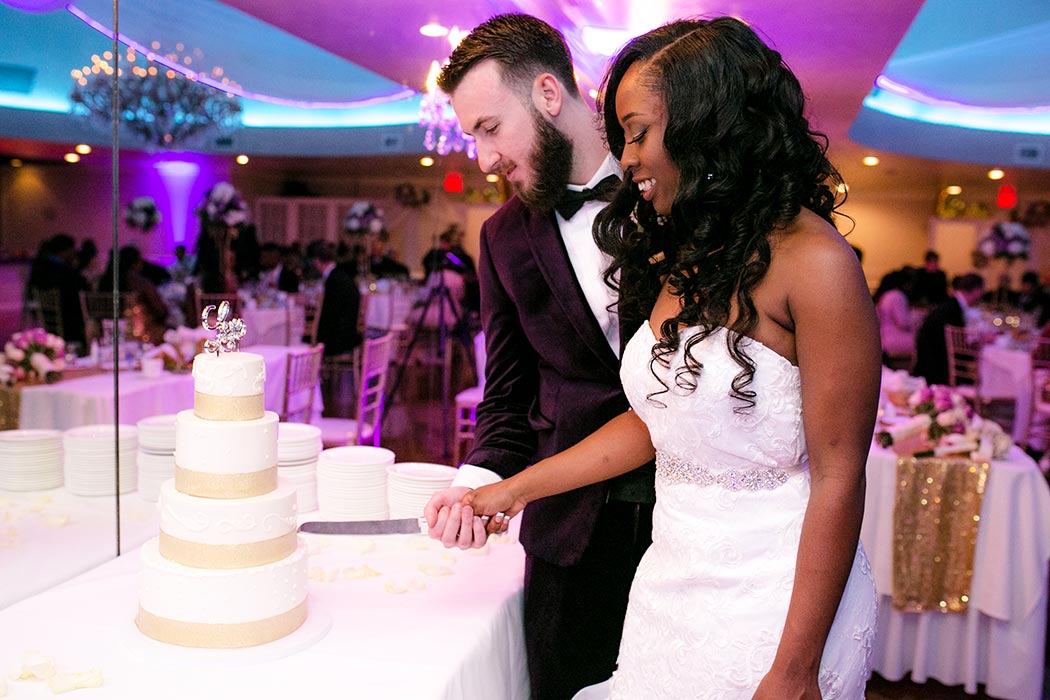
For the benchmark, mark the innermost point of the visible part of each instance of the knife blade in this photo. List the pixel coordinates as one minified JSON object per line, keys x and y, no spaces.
{"x":402,"y":526}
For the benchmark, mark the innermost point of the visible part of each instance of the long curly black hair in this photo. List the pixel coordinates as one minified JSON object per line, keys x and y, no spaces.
{"x":748,"y":163}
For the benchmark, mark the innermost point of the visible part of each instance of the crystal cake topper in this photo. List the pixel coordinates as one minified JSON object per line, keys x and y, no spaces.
{"x":228,"y":330}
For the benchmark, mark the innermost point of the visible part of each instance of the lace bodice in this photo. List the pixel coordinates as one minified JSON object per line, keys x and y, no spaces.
{"x":703,"y":425}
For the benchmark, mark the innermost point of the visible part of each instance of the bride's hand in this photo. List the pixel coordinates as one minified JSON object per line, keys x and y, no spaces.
{"x":496,"y":504}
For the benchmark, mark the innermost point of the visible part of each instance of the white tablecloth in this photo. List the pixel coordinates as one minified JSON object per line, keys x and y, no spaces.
{"x":999,"y":640}
{"x":1006,"y":372}
{"x":273,"y":326}
{"x":448,"y":637}
{"x":47,"y":537}
{"x":87,"y":400}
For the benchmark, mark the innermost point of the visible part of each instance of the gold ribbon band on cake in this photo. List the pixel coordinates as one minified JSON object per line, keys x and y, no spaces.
{"x":243,"y":485}
{"x":210,"y":407}
{"x":205,"y":635}
{"x":936,"y":513}
{"x":226,"y":556}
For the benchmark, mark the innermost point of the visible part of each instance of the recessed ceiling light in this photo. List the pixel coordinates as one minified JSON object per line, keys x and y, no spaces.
{"x":433,"y":29}
{"x":953,"y":190}
{"x":492,"y":177}
{"x":426,"y":161}
{"x":870,"y":160}
{"x":843,"y":188}
{"x":996,"y":174}
{"x":16,"y":162}
{"x":72,"y":158}
{"x":83,"y":149}
{"x":242,"y":159}
{"x":593,"y":93}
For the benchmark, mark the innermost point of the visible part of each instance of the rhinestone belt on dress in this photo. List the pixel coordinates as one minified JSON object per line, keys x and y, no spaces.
{"x":678,"y":471}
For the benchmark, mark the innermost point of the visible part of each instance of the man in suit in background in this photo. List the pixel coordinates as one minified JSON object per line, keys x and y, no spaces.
{"x":552,"y":371}
{"x":931,"y":361}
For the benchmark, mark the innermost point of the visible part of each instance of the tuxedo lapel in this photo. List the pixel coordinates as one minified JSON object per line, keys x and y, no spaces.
{"x":551,"y":257}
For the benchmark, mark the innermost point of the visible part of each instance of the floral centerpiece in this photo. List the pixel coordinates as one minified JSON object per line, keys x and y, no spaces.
{"x":33,"y":356}
{"x":363,"y":217}
{"x":941,"y":422}
{"x":1006,"y":239}
{"x":142,"y":214}
{"x":223,"y":204}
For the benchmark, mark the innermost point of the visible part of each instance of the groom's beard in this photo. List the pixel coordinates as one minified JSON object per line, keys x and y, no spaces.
{"x":551,"y":165}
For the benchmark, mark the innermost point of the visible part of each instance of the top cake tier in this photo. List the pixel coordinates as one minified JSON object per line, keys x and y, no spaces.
{"x":228,"y":386}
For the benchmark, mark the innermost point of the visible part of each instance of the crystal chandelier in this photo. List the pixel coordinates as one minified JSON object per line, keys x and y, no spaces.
{"x":438,"y":118}
{"x":158,"y":106}
{"x":435,"y":110}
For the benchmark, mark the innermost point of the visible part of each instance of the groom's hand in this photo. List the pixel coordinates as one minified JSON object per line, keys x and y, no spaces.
{"x":452,"y":523}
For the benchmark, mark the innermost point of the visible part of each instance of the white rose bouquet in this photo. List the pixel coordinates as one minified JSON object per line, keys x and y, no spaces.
{"x":223,"y":204}
{"x":142,"y":214}
{"x":942,"y":423}
{"x":33,"y":356}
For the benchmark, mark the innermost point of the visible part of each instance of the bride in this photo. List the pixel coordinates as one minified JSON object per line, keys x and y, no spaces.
{"x":754,"y":383}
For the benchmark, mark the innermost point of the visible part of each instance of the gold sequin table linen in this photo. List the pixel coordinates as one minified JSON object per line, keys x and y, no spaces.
{"x":999,"y":639}
{"x":936,"y":515}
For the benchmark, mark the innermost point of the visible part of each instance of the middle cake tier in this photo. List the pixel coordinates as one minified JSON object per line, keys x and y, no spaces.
{"x":225,"y":459}
{"x":213,"y":533}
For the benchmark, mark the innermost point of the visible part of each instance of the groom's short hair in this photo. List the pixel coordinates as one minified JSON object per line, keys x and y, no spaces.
{"x":524,"y":47}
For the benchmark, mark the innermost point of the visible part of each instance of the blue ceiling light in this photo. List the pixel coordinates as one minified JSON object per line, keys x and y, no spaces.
{"x":953,"y":80}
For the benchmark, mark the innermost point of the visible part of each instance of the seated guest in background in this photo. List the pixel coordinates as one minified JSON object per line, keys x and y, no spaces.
{"x":337,"y":326}
{"x":87,"y":256}
{"x":381,"y":263}
{"x":246,"y":252}
{"x":55,"y":268}
{"x":1002,"y":297}
{"x":893,"y":306}
{"x":931,"y":284}
{"x":931,"y":360}
{"x":1033,"y":298}
{"x":272,"y":271}
{"x":183,"y":265}
{"x":152,"y":309}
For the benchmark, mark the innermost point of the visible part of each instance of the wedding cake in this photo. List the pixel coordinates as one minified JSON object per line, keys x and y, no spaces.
{"x":227,"y":569}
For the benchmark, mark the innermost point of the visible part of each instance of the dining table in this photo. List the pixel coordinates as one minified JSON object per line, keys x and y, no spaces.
{"x":426,"y":623}
{"x":88,"y":400}
{"x":998,"y":641}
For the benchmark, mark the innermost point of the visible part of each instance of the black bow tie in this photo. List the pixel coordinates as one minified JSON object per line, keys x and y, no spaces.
{"x":571,"y":200}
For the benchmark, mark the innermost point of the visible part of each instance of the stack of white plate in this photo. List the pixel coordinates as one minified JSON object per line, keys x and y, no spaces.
{"x":89,"y":459}
{"x":156,"y":456}
{"x":411,"y":484}
{"x":298,"y":445}
{"x":351,"y":482}
{"x":30,"y":460}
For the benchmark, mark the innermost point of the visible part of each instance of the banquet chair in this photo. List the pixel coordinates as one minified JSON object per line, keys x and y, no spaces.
{"x":1037,"y":433}
{"x":214,"y":299}
{"x":964,"y":364}
{"x":365,"y":427}
{"x":467,"y":402}
{"x":98,"y":306}
{"x":46,"y":305}
{"x":300,"y":385}
{"x":311,"y":304}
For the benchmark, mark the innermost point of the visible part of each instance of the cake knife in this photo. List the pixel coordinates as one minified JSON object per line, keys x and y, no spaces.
{"x":402,"y":526}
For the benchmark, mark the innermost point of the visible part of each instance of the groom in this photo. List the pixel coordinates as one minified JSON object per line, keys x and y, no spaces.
{"x":553,"y":346}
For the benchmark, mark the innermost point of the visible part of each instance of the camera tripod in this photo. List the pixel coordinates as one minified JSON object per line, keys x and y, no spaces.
{"x":440,"y":294}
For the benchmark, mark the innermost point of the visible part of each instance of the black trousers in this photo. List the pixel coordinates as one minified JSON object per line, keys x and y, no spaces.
{"x":574,"y":614}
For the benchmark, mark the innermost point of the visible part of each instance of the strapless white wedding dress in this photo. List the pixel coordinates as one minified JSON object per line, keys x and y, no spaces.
{"x":708,"y":603}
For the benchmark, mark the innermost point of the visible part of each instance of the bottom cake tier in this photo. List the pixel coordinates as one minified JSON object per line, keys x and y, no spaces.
{"x":221,"y":608}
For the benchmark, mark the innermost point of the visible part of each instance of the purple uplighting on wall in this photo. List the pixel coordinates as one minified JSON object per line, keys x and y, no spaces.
{"x":178,"y":177}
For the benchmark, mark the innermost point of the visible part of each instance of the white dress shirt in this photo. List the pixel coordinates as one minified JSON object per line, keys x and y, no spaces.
{"x":588,"y":264}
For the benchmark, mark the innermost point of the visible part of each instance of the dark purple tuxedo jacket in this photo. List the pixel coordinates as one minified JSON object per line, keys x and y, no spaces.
{"x":551,"y":378}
